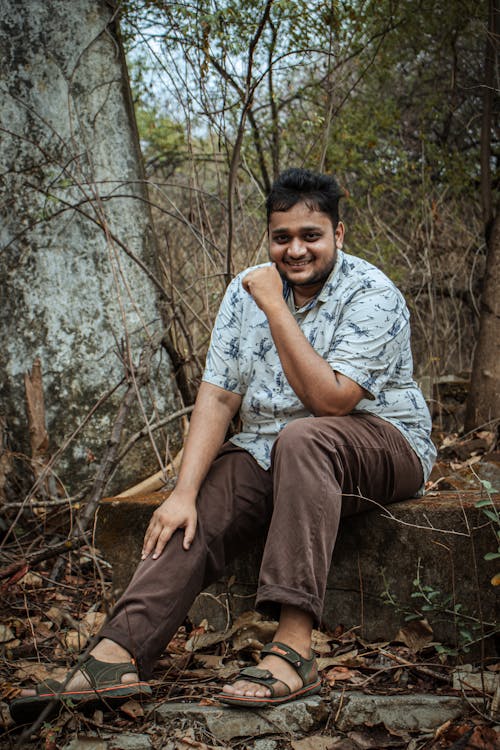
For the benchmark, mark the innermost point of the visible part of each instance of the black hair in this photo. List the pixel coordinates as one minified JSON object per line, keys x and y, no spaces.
{"x":320,"y":192}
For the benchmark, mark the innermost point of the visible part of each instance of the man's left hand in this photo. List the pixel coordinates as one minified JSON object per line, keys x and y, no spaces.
{"x":265,"y":285}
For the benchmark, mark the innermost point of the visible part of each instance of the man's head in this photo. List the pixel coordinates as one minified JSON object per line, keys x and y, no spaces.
{"x":304,"y":230}
{"x":320,"y":192}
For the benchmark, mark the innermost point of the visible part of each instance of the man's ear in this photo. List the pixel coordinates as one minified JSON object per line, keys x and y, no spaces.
{"x":339,"y":235}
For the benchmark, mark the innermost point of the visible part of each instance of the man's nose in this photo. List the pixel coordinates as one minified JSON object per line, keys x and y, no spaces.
{"x":296,"y":248}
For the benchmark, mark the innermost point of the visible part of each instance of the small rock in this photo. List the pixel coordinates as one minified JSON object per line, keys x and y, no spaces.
{"x":399,"y":712}
{"x":130,"y":742}
{"x":465,"y":680}
{"x":86,"y":743}
{"x":265,"y":745}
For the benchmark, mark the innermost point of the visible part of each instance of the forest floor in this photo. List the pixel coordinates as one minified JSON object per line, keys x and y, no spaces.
{"x":45,"y":623}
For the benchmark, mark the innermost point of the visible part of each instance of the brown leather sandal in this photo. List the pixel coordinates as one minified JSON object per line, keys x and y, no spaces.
{"x":105,"y":687}
{"x":306,"y":669}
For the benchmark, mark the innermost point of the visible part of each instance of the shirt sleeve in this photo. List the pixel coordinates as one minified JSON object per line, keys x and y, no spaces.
{"x":371,"y":338}
{"x":222,"y":363}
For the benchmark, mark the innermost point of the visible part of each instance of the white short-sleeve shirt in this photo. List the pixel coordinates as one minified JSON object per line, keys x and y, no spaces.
{"x":358,"y":323}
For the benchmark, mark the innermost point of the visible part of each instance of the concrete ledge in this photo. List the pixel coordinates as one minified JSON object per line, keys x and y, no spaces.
{"x":443,"y":535}
{"x":352,"y":710}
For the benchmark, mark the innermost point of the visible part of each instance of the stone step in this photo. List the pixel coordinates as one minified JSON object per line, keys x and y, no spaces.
{"x":440,"y":539}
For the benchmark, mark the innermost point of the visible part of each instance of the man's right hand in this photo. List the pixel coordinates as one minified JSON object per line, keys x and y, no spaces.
{"x":176,"y":512}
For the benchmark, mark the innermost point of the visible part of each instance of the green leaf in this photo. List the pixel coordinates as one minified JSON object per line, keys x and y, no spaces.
{"x":493,"y":516}
{"x":492,"y":556}
{"x":484,"y":502}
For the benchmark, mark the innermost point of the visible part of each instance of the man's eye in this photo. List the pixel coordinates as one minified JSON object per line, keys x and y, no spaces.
{"x":280,"y":238}
{"x":312,"y":236}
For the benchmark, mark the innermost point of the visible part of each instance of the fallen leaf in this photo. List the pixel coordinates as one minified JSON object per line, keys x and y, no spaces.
{"x":93,"y":622}
{"x":376,"y":738}
{"x":342,"y":674}
{"x":38,"y":672}
{"x":416,"y":635}
{"x":31,"y":581}
{"x":207,"y":702}
{"x":209,"y":660}
{"x":6,"y":719}
{"x":75,"y":640}
{"x":6,"y":634}
{"x":349,"y":659}
{"x":204,"y":640}
{"x":132,"y":709}
{"x":321,"y":642}
{"x":55,"y":614}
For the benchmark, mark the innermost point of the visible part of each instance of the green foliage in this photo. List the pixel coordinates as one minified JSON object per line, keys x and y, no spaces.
{"x":489,"y":509}
{"x":387,"y":95}
{"x":436,"y":606}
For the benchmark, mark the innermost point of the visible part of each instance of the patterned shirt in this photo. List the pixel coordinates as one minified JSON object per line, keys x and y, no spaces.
{"x":358,"y":323}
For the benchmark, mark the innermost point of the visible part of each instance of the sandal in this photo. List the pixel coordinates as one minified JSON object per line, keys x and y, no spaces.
{"x":306,"y":669}
{"x":105,"y":686}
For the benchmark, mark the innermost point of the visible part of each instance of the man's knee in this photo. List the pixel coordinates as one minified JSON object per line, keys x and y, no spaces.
{"x":300,"y":432}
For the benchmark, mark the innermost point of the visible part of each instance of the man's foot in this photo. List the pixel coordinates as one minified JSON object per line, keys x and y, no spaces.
{"x":279,"y":669}
{"x":105,"y":651}
{"x":283,"y":675}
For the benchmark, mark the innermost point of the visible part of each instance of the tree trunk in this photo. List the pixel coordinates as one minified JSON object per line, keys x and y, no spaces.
{"x":483,"y":404}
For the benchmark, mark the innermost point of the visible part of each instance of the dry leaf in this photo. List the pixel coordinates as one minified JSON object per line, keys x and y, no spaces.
{"x":31,"y":581}
{"x":204,"y":640}
{"x":6,"y":634}
{"x":93,"y":622}
{"x":416,"y":635}
{"x":342,"y":674}
{"x":55,"y":614}
{"x":321,"y":642}
{"x":377,"y":738}
{"x":75,"y":640}
{"x":349,"y":659}
{"x":252,"y":632}
{"x":38,"y":672}
{"x":209,"y":660}
{"x":132,"y":709}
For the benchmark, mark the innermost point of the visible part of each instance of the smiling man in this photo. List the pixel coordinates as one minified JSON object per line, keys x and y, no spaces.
{"x":313,"y":349}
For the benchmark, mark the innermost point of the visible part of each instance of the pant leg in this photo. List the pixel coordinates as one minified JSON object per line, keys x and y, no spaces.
{"x":234,"y":507}
{"x":324,"y":468}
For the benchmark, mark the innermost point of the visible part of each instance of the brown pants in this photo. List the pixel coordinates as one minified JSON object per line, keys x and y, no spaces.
{"x":322,"y":468}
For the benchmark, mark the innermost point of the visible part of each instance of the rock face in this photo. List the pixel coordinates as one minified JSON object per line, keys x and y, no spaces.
{"x":78,"y":255}
{"x":441,"y":538}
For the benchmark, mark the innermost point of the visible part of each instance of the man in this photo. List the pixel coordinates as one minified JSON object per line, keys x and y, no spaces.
{"x":313,"y":349}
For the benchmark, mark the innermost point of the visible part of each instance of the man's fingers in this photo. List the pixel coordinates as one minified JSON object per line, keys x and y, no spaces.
{"x":163,"y":538}
{"x":189,"y":533}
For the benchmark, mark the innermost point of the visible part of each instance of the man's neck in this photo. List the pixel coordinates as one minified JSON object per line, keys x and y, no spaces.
{"x":301,"y":298}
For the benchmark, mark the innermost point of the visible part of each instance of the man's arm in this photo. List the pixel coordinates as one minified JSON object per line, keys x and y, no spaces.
{"x":323,"y":391}
{"x":213,"y":411}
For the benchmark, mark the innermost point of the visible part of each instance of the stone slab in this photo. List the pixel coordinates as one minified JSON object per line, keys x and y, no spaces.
{"x":411,"y":713}
{"x":344,"y":710}
{"x":443,"y":537}
{"x":224,"y":723}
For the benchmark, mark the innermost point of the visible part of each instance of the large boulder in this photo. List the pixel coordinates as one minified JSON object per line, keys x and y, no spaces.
{"x":78,"y":256}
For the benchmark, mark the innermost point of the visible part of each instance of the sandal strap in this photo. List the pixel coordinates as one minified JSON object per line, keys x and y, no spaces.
{"x":304,"y":667}
{"x":49,"y":684}
{"x":261,"y":677}
{"x":104,"y":674}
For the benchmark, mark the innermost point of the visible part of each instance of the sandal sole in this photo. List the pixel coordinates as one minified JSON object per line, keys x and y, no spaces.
{"x":27,"y":710}
{"x":244,"y":701}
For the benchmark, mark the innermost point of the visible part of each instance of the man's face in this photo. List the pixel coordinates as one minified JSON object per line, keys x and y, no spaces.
{"x":303,"y":244}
